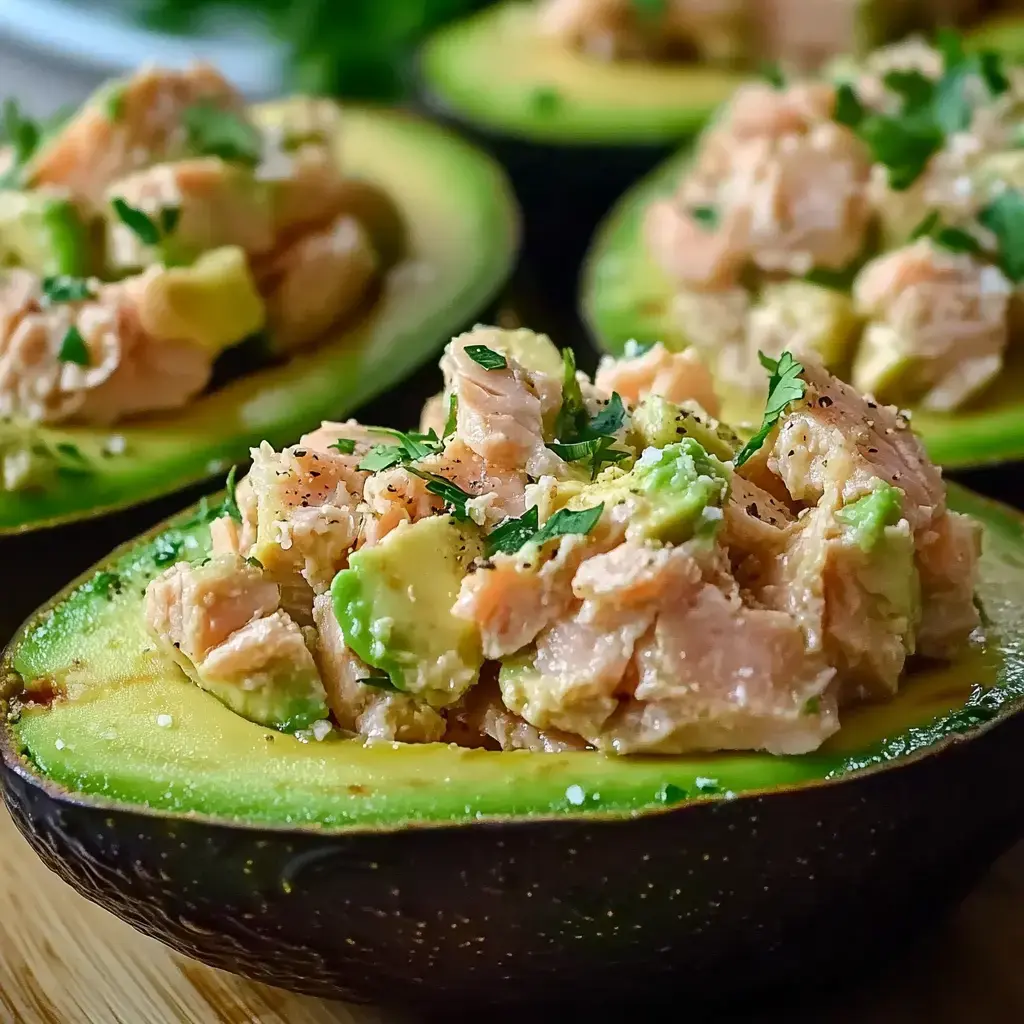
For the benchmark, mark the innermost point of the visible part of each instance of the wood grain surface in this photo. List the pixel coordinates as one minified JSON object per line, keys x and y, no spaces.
{"x":65,"y":961}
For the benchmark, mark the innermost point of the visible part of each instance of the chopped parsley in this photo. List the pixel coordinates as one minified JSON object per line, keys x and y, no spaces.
{"x":596,"y":451}
{"x":610,"y":418}
{"x":23,"y":135}
{"x":573,"y":414}
{"x":510,"y":535}
{"x":513,"y":534}
{"x":230,"y":505}
{"x":772,"y":74}
{"x":1004,"y":217}
{"x":784,"y":387}
{"x":62,"y":288}
{"x":254,"y":562}
{"x":453,"y":413}
{"x":148,"y":230}
{"x":905,"y":142}
{"x":486,"y":357}
{"x":706,"y":216}
{"x":213,"y":131}
{"x":381,"y":456}
{"x":345,"y":445}
{"x":452,"y":495}
{"x":73,"y":348}
{"x":955,"y":240}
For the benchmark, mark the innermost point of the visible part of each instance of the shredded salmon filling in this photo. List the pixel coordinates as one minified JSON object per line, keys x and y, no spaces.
{"x":860,"y":225}
{"x":652,"y":590}
{"x":195,"y":229}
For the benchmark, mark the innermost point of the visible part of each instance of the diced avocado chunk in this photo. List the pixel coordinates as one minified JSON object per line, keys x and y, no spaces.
{"x":394,"y":603}
{"x":213,"y":303}
{"x":657,"y":422}
{"x":882,"y":367}
{"x":884,"y":558}
{"x":263,"y":670}
{"x":43,"y":234}
{"x":868,"y":517}
{"x":811,"y":317}
{"x":286,"y":694}
{"x":677,"y":492}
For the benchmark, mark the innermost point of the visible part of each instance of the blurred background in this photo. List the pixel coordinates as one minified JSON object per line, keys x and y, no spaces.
{"x":53,"y":52}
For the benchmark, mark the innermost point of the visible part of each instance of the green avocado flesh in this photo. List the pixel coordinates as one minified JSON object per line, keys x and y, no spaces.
{"x":463,"y":236}
{"x":626,"y":296}
{"x":494,"y":71}
{"x":129,"y":729}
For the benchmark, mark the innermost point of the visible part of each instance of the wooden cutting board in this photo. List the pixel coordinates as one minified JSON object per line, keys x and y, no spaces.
{"x":65,"y":961}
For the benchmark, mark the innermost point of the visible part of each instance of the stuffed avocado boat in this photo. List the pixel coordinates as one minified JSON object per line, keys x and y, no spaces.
{"x":184,"y":277}
{"x":568,"y":677}
{"x":874,"y":222}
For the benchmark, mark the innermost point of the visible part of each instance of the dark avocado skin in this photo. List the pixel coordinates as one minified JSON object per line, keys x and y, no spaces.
{"x":717,"y":901}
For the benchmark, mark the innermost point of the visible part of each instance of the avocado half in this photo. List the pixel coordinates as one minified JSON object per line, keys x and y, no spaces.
{"x":436,"y":875}
{"x":463,"y":237}
{"x":624,"y":295}
{"x":572,"y":131}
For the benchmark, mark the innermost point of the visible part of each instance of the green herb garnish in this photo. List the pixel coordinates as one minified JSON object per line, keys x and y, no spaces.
{"x":23,"y":135}
{"x":513,"y":534}
{"x":230,"y":505}
{"x":772,"y":74}
{"x":572,"y":416}
{"x":1004,"y":217}
{"x":381,"y":456}
{"x":706,"y":216}
{"x":213,"y":131}
{"x":486,"y":357}
{"x":145,"y":228}
{"x":254,"y":562}
{"x":610,"y":418}
{"x":345,"y":445}
{"x":73,"y":348}
{"x":849,"y":110}
{"x":453,"y":414}
{"x":379,"y":679}
{"x":62,"y":288}
{"x":784,"y":387}
{"x":597,"y":451}
{"x":955,"y":240}
{"x":452,"y":495}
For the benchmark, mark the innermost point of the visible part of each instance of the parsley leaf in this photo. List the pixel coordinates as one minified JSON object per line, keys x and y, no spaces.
{"x":73,"y":348}
{"x":772,"y":74}
{"x":62,"y":288}
{"x":147,"y":230}
{"x":169,"y":217}
{"x":706,"y":216}
{"x":597,"y":451}
{"x":1004,"y":217}
{"x":413,"y":445}
{"x":486,"y":357}
{"x":954,"y":239}
{"x":453,"y":495}
{"x":230,"y":505}
{"x":453,"y":413}
{"x":573,"y":413}
{"x":915,"y":88}
{"x":784,"y":387}
{"x":511,"y":534}
{"x":381,"y":456}
{"x":903,"y":144}
{"x":849,"y":110}
{"x":213,"y":131}
{"x":23,"y":135}
{"x":345,"y":445}
{"x":564,"y":523}
{"x":610,"y":418}
{"x":254,"y":562}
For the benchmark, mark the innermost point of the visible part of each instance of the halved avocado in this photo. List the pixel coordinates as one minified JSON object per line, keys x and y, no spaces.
{"x":442,"y":876}
{"x":625,"y":295}
{"x":462,"y":240}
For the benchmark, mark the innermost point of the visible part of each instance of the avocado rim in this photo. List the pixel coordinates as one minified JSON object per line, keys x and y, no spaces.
{"x":977,"y":722}
{"x":623,"y":295}
{"x":399,"y":333}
